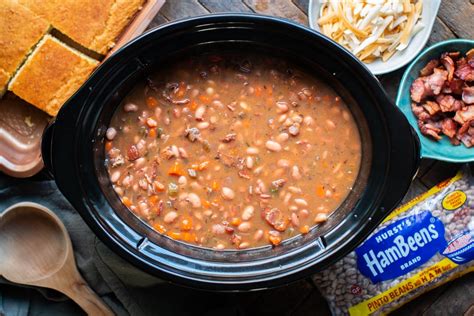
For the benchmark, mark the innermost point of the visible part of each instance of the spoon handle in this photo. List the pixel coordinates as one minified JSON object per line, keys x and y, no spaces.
{"x":90,"y":302}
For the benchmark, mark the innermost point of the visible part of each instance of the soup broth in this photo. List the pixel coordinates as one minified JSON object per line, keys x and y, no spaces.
{"x":232,"y":152}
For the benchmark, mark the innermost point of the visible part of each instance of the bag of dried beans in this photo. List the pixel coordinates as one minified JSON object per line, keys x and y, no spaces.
{"x":419,"y":246}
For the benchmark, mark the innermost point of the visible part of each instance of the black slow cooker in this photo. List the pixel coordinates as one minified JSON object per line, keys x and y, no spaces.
{"x":73,"y":150}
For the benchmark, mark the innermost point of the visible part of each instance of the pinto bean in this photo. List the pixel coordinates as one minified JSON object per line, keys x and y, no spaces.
{"x":194,"y":199}
{"x":282,"y":107}
{"x":203,"y":125}
{"x":139,"y":163}
{"x":308,"y":120}
{"x":252,"y":150}
{"x":345,"y":115}
{"x":130,"y":107}
{"x":127,"y":181}
{"x":244,"y":227}
{"x":273,"y":146}
{"x":248,"y":212}
{"x":182,"y":180}
{"x":200,"y":113}
{"x":330,"y":124}
{"x":282,"y":118}
{"x":258,"y":235}
{"x":228,"y":193}
{"x":295,"y":173}
{"x":151,"y":122}
{"x":303,"y":213}
{"x":115,"y":176}
{"x":294,"y":189}
{"x":301,"y":202}
{"x":249,"y":162}
{"x":295,"y":220}
{"x":110,"y":133}
{"x":283,"y":163}
{"x":210,"y":91}
{"x":158,"y":111}
{"x":282,"y":137}
{"x":320,"y":218}
{"x":258,"y":170}
{"x":170,"y":217}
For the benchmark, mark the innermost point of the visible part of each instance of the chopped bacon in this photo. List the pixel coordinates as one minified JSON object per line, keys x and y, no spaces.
{"x":229,"y":137}
{"x":427,"y":86}
{"x":465,"y":115}
{"x":278,"y":183}
{"x":465,"y":127}
{"x":454,"y":86}
{"x":244,"y":174}
{"x":466,"y":139}
{"x":465,"y":72}
{"x":454,"y":141}
{"x":468,"y":95}
{"x":448,"y":63}
{"x":448,"y":127}
{"x":448,"y":103}
{"x":431,"y":107}
{"x":429,"y":129}
{"x":193,"y":134}
{"x":436,"y":81}
{"x":470,"y":57}
{"x":454,"y":55}
{"x":420,"y":112}
{"x":430,"y":66}
{"x":276,"y":218}
{"x":418,"y":90}
{"x":443,"y":98}
{"x":132,"y":153}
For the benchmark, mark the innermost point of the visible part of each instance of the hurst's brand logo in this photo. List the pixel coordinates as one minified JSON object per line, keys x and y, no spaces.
{"x":401,"y":247}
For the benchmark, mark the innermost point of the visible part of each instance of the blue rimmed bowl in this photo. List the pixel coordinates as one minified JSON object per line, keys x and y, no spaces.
{"x":442,"y":149}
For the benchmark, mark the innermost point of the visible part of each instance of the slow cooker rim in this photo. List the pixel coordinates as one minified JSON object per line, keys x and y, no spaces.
{"x":108,"y":238}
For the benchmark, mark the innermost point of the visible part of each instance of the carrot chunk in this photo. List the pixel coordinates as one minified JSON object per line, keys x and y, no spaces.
{"x":193,"y":105}
{"x":205,"y":203}
{"x":176,"y":170}
{"x":159,"y":228}
{"x":174,"y":235}
{"x":126,"y":201}
{"x":186,"y":223}
{"x":320,"y":190}
{"x":236,"y":221}
{"x":275,"y":240}
{"x":108,"y":146}
{"x":152,"y":133}
{"x":153,"y":199}
{"x":304,"y":229}
{"x":151,"y":102}
{"x":204,"y":98}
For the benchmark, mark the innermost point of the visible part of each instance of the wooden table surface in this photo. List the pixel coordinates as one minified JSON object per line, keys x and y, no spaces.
{"x":455,"y":19}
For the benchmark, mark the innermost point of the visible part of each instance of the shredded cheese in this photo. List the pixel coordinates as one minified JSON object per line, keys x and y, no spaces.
{"x":371,"y":29}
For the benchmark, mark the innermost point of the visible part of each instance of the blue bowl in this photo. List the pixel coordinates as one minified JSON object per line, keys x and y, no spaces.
{"x":442,"y":149}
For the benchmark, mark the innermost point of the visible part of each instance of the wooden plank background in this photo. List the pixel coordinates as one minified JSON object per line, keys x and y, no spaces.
{"x":455,"y":19}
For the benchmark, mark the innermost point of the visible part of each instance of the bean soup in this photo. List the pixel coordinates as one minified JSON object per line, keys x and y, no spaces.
{"x":232,"y":152}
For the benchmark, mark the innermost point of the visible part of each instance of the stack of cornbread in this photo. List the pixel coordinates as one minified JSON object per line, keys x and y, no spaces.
{"x":44,"y":70}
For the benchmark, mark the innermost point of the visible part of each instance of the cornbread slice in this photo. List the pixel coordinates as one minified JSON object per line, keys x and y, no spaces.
{"x":51,"y":74}
{"x":4,"y":77}
{"x":20,"y":30}
{"x":95,"y":24}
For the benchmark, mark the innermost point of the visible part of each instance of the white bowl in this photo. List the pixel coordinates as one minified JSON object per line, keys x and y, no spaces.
{"x":399,"y":59}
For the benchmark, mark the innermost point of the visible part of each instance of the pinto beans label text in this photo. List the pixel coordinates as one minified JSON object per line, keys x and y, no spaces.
{"x":419,"y":246}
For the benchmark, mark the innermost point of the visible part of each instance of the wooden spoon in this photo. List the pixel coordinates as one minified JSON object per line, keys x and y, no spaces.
{"x":36,"y":250}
